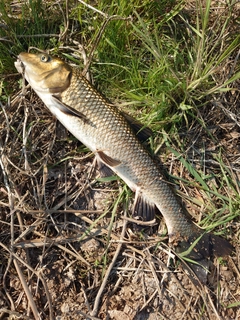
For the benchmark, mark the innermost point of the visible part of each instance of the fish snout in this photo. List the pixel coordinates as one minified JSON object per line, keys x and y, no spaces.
{"x":19,"y":65}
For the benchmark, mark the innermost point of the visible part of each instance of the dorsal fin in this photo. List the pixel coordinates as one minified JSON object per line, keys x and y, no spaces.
{"x":143,"y":133}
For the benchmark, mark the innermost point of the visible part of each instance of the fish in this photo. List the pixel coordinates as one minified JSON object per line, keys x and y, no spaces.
{"x":109,"y":134}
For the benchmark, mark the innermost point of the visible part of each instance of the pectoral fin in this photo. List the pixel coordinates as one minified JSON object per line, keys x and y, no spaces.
{"x":68,"y":110}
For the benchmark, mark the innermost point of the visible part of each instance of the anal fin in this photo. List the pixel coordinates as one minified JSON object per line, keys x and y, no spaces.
{"x":143,"y":209}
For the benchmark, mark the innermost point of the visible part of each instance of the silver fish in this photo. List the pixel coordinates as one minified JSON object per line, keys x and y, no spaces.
{"x":106,"y":131}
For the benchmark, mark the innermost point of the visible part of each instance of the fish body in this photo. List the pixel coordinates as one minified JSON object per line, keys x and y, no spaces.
{"x":105,"y":131}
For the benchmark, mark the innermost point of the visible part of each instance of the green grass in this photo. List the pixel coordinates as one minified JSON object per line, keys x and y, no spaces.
{"x":29,"y":25}
{"x":164,"y":62}
{"x":162,"y":67}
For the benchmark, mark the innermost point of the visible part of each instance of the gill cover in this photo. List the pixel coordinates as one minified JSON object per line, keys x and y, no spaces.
{"x":45,"y":73}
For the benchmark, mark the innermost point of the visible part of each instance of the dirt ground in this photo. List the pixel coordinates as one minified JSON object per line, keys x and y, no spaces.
{"x":66,"y":250}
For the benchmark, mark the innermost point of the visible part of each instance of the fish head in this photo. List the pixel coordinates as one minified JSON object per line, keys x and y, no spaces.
{"x":43,"y":72}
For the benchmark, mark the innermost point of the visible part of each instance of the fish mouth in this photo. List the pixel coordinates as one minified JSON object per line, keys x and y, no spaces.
{"x":19,"y":65}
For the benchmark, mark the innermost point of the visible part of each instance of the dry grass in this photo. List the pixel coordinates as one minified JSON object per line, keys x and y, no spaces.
{"x":66,"y":250}
{"x":62,"y":258}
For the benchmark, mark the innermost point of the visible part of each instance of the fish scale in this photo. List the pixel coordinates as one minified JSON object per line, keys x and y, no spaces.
{"x":116,"y":139}
{"x":109,"y":134}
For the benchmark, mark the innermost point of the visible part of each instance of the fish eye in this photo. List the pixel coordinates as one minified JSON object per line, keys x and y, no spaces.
{"x":45,"y":57}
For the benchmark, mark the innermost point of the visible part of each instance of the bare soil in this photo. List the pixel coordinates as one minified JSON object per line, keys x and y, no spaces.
{"x":60,"y":232}
{"x":67,"y":252}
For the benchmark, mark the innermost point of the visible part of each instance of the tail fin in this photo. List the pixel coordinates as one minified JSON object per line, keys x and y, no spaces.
{"x":200,"y":249}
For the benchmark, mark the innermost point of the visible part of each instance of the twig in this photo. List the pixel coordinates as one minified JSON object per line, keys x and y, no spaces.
{"x":98,"y":38}
{"x":14,"y":313}
{"x":228,"y":113}
{"x":25,"y":136}
{"x":85,"y":296}
{"x":77,"y":212}
{"x":232,"y":70}
{"x":139,"y":222}
{"x":66,"y":22}
{"x":49,"y":298}
{"x":11,"y":206}
{"x":100,"y":32}
{"x":152,"y":267}
{"x":186,"y":309}
{"x":26,"y":290}
{"x":212,"y":303}
{"x":92,"y":8}
{"x":42,"y":35}
{"x":149,"y":300}
{"x":100,"y":291}
{"x":86,"y":316}
{"x":38,"y":274}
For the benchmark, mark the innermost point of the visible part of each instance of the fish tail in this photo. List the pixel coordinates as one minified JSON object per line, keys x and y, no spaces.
{"x":199,"y":249}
